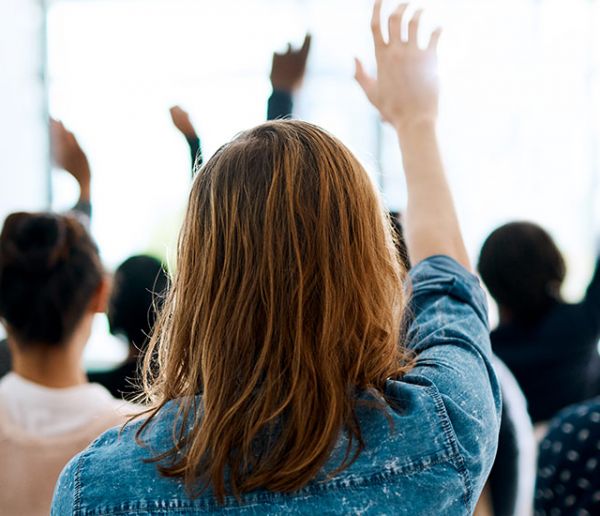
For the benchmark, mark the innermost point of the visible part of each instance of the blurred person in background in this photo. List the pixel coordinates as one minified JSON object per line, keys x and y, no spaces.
{"x":277,"y":380}
{"x":67,"y":155}
{"x":287,"y":74}
{"x":51,"y":285}
{"x":138,"y":288}
{"x":140,"y":281}
{"x":549,"y":345}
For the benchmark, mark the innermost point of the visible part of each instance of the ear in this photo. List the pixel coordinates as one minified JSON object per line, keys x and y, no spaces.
{"x":99,"y":301}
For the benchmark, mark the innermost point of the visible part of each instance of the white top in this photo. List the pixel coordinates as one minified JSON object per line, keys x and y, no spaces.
{"x":48,"y":412}
{"x":526,"y":442}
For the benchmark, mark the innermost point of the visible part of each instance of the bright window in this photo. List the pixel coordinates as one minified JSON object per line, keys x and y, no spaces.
{"x":520,"y":107}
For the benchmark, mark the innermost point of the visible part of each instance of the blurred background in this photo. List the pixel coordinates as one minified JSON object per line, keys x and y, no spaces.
{"x":520,"y":106}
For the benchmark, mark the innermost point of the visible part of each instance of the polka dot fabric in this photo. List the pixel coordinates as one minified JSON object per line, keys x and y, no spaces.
{"x":568,"y":479}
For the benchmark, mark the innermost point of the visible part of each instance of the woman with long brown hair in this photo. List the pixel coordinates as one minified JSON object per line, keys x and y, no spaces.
{"x":279,"y":377}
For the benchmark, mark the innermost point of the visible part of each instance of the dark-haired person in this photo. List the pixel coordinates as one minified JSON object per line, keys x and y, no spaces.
{"x":67,"y":155}
{"x":549,"y":345}
{"x":51,"y":285}
{"x":287,"y":73}
{"x":278,"y":379}
{"x":139,"y":285}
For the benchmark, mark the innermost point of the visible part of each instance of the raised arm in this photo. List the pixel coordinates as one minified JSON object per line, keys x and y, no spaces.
{"x":448,"y":331}
{"x":68,"y":155}
{"x":287,"y":74}
{"x":181,"y":120}
{"x":406,"y":92}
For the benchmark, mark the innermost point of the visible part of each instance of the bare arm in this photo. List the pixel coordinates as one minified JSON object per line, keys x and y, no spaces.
{"x":405,"y":92}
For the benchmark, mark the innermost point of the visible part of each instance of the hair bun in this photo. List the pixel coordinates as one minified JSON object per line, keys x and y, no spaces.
{"x":35,"y":242}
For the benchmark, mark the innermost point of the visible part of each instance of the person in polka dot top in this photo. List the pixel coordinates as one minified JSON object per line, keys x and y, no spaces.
{"x":568,"y":479}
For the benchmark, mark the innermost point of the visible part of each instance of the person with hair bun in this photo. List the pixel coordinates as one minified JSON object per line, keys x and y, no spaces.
{"x":51,"y":285}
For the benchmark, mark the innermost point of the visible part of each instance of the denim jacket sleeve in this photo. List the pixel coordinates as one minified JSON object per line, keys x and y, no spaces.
{"x":63,"y":502}
{"x":450,"y":337}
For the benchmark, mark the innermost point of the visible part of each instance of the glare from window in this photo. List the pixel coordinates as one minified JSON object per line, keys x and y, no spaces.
{"x":519,"y":121}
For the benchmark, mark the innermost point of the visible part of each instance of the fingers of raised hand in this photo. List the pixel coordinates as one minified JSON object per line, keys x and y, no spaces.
{"x":395,"y":24}
{"x":413,"y":29}
{"x":306,"y":46}
{"x":376,"y":25}
{"x":366,"y":82}
{"x":433,"y":41}
{"x":175,"y":111}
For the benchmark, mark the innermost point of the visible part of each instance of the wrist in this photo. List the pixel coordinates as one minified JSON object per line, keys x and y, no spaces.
{"x":85,"y":187}
{"x":284,"y":90}
{"x":419,"y":125}
{"x":85,"y":193}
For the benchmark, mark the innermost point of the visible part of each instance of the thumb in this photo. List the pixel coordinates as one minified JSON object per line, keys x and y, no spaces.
{"x":366,"y":82}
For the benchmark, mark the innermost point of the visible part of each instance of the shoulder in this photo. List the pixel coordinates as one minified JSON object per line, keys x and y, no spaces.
{"x":102,"y":464}
{"x":117,"y":467}
{"x":117,"y":444}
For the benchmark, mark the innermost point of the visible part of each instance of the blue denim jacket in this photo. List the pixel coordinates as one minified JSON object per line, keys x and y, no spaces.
{"x":434,"y":459}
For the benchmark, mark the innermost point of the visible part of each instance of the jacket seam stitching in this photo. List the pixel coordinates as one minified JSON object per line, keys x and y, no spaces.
{"x":210,"y":505}
{"x":450,"y":436}
{"x":77,"y":497}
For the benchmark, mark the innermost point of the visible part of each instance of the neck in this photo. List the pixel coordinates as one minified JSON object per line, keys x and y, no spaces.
{"x":56,"y":366}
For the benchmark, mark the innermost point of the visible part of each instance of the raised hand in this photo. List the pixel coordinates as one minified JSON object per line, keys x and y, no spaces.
{"x":405,"y":92}
{"x":406,"y":87}
{"x":287,"y":69}
{"x":181,"y":120}
{"x":68,"y":155}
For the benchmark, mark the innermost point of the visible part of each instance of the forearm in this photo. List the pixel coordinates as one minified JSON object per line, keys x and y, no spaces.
{"x":432,"y":226}
{"x":195,"y":151}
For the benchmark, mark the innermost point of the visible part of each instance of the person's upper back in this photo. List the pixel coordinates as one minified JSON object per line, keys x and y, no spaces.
{"x":41,"y":429}
{"x":558,"y":355}
{"x":429,"y":452}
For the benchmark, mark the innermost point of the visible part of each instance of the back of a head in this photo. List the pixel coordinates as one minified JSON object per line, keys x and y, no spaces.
{"x":49,"y":272}
{"x":523,"y":270}
{"x":138,"y":288}
{"x":286,"y":303}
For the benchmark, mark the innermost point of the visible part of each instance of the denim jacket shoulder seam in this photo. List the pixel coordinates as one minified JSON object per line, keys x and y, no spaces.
{"x":77,"y":487}
{"x":456,"y":457}
{"x":78,"y":509}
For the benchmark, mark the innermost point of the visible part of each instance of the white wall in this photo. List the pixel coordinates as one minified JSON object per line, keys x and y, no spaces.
{"x":23,"y":135}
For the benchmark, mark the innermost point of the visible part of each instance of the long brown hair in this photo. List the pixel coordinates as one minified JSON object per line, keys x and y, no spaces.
{"x":286,"y":303}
